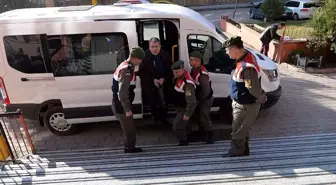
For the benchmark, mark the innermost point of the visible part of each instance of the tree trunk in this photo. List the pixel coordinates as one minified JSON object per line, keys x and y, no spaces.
{"x":234,"y":12}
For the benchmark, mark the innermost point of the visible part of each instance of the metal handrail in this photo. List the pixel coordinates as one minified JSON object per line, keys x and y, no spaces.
{"x":14,"y":136}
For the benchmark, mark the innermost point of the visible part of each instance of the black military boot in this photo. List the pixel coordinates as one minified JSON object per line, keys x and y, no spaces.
{"x":209,"y":137}
{"x":132,"y":150}
{"x":184,"y":143}
{"x":230,"y":154}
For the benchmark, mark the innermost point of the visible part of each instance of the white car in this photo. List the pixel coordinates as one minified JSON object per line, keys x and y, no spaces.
{"x":302,"y":9}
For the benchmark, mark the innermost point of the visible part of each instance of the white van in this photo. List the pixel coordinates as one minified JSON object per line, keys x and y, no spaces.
{"x":56,"y":64}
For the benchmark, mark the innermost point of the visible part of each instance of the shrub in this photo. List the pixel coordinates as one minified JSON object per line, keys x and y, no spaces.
{"x":324,"y":20}
{"x":272,"y":9}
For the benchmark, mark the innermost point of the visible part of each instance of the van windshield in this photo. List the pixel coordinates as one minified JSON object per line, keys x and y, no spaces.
{"x":220,"y":32}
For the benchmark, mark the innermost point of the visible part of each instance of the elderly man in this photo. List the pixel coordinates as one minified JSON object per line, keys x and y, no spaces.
{"x":246,"y":94}
{"x":156,"y":77}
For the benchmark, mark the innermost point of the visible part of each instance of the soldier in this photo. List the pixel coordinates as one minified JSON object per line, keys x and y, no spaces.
{"x":246,"y":94}
{"x":185,"y":101}
{"x":204,"y":96}
{"x":123,"y":86}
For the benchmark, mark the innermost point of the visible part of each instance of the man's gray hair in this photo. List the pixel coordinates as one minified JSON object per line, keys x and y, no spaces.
{"x":154,"y":39}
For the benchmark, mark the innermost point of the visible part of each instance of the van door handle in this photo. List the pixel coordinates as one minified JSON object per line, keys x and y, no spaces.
{"x":37,"y":79}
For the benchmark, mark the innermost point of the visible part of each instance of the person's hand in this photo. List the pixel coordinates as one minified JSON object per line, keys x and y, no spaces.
{"x":156,"y":83}
{"x":185,"y":118}
{"x":161,"y":81}
{"x":129,"y":113}
{"x":265,"y":99}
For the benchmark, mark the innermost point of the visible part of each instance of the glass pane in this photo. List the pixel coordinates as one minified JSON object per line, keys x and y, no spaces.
{"x":24,"y":53}
{"x":150,"y":29}
{"x":87,"y":54}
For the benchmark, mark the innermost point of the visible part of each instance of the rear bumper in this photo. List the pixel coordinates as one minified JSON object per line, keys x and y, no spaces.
{"x":28,"y":110}
{"x":272,"y":98}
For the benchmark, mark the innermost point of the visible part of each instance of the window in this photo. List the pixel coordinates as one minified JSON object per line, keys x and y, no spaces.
{"x":310,"y":5}
{"x":87,"y":54}
{"x":25,"y":53}
{"x":151,"y":29}
{"x":293,"y":4}
{"x":215,"y":58}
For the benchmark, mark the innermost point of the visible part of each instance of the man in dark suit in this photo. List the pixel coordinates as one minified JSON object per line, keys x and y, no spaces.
{"x":156,"y":79}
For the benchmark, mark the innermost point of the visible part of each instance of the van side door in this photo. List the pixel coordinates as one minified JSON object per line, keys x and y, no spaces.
{"x":215,"y":60}
{"x":27,"y":71}
{"x":84,"y":57}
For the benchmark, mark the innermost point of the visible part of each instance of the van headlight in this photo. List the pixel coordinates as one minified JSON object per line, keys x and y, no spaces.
{"x":271,"y":74}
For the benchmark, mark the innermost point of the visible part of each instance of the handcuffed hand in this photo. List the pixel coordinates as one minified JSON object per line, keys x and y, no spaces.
{"x":156,"y":83}
{"x":161,"y":81}
{"x":185,"y":118}
{"x":129,"y":113}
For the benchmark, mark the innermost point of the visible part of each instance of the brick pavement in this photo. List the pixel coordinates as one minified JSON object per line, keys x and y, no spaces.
{"x":307,"y":106}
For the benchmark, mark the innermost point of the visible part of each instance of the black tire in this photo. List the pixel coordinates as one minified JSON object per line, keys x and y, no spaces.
{"x":56,"y":112}
{"x":295,"y":17}
{"x":225,"y":111}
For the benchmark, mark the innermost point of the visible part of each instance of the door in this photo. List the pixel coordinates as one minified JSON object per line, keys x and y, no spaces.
{"x":215,"y":60}
{"x":29,"y":79}
{"x":165,"y":30}
{"x":84,"y":57}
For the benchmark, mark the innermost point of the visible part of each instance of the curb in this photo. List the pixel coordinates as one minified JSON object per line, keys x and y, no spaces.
{"x":309,"y":70}
{"x":200,"y":9}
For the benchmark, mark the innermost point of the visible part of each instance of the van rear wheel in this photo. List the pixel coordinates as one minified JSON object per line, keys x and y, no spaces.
{"x":56,"y":123}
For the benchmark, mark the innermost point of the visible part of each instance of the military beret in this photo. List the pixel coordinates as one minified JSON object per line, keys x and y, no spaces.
{"x":196,"y":54}
{"x":233,"y":41}
{"x":138,"y":52}
{"x":177,"y":65}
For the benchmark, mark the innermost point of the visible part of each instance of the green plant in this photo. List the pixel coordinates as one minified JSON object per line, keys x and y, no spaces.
{"x":324,"y":20}
{"x":272,"y":9}
{"x":292,"y":56}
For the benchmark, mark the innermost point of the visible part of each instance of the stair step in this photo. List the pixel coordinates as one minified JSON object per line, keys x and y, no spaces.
{"x":197,"y":147}
{"x":286,"y":160}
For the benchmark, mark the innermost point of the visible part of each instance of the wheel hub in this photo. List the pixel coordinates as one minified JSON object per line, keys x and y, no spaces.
{"x":58,"y":122}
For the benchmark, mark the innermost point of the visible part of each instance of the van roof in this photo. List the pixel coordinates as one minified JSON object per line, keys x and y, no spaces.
{"x":119,"y":11}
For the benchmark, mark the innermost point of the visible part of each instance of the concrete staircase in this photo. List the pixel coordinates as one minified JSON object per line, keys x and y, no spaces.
{"x":294,"y":160}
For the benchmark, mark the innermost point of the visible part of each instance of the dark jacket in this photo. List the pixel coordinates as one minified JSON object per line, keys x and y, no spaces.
{"x":146,"y":69}
{"x":269,"y":34}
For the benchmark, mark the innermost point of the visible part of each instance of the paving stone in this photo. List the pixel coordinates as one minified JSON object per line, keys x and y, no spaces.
{"x":307,"y":106}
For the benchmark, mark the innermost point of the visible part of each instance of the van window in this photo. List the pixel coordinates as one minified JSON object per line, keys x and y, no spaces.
{"x":215,"y":58}
{"x":25,"y":53}
{"x":87,"y":54}
{"x":151,"y":29}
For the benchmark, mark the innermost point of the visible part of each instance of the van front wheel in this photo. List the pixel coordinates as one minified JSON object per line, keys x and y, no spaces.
{"x":56,"y":123}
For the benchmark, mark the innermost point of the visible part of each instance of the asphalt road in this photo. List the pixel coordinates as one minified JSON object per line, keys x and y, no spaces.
{"x":240,"y":16}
